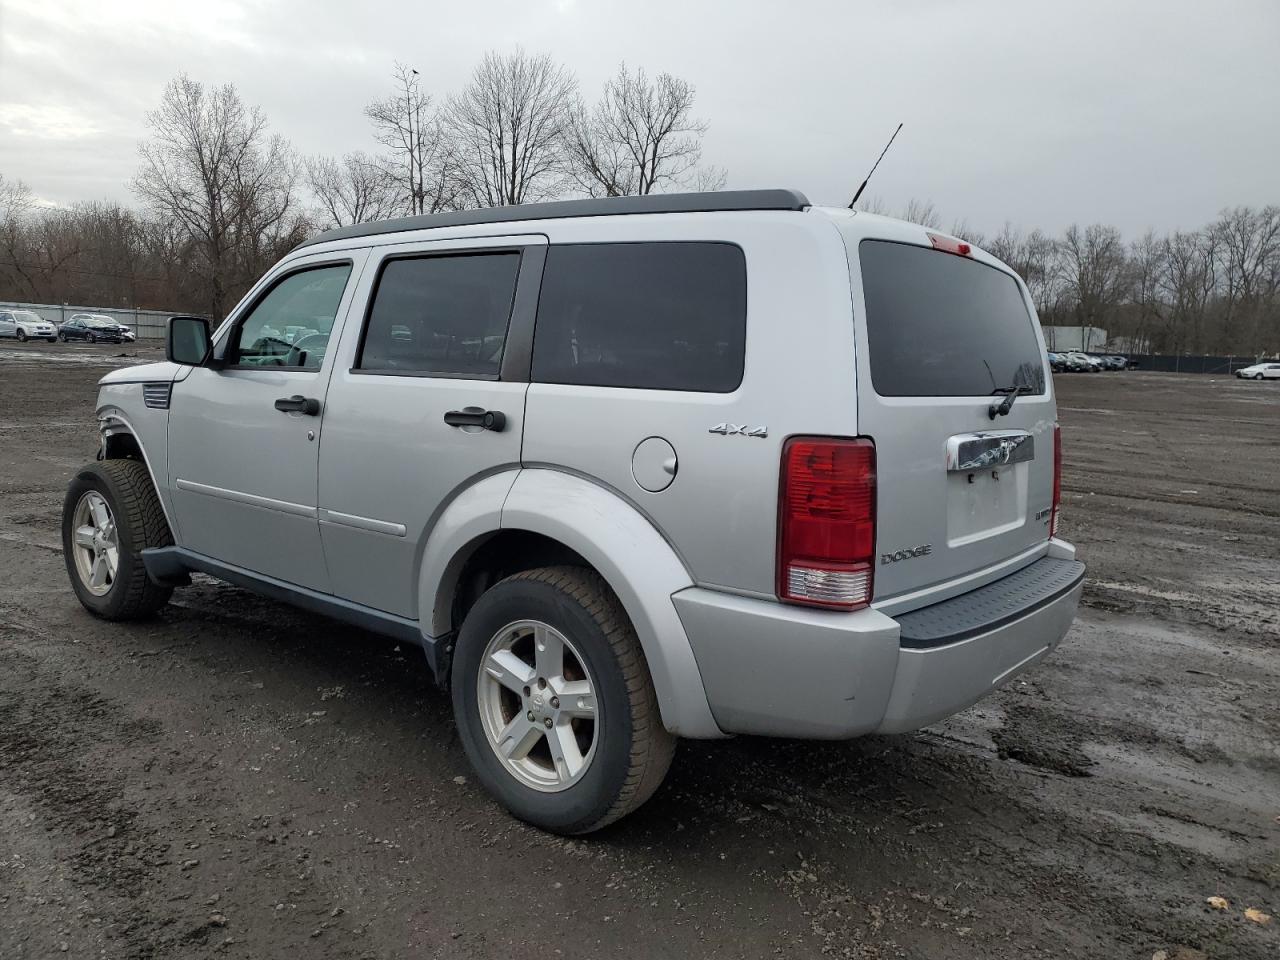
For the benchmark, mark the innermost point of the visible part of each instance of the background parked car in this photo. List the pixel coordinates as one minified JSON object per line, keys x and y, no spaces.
{"x":1083,"y":362}
{"x":1270,"y":370}
{"x":92,"y":328}
{"x":1057,"y":362}
{"x":25,"y":325}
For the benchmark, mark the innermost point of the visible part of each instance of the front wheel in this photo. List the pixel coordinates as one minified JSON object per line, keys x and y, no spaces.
{"x":110,"y":515}
{"x":554,"y":702}
{"x":22,"y":336}
{"x":1257,"y":376}
{"x":52,"y":339}
{"x":62,"y":337}
{"x":91,"y":338}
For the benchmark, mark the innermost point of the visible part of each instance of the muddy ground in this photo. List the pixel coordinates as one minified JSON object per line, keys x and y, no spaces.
{"x":238,"y":779}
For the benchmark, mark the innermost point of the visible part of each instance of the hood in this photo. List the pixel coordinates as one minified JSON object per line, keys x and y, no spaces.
{"x":161,"y":372}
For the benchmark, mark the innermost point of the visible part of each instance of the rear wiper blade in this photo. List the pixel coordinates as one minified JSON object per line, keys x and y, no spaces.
{"x":1002,"y":408}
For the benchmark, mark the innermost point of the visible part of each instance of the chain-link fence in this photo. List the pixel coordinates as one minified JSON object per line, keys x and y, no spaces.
{"x":1175,"y":363}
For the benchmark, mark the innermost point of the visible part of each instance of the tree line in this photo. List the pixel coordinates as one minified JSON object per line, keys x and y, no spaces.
{"x":221,"y":197}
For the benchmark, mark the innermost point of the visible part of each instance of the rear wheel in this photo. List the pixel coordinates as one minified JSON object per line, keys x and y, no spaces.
{"x":554,"y":702}
{"x":110,"y":515}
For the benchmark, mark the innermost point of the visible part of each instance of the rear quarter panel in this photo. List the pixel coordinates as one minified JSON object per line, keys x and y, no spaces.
{"x":720,"y":512}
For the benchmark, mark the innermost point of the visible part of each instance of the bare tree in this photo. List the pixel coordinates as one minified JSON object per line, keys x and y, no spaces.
{"x":640,"y":137}
{"x":508,"y":129}
{"x":419,"y":162}
{"x":922,"y":212}
{"x":212,"y":166}
{"x":1187,"y":281}
{"x":355,"y":189}
{"x":1145,"y":266}
{"x":15,"y":203}
{"x":1248,"y":246}
{"x":1094,"y":272}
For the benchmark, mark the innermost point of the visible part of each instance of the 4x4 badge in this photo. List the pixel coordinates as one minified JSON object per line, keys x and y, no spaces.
{"x":730,"y":429}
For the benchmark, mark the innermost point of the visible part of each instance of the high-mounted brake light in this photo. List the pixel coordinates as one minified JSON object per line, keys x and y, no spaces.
{"x":950,"y":245}
{"x":1057,"y":480}
{"x":826,"y":522}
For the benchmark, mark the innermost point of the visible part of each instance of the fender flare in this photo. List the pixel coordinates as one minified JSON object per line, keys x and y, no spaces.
{"x":616,"y":539}
{"x":112,"y":421}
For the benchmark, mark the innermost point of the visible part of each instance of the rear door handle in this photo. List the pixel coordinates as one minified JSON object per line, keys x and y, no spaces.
{"x":494,"y":420}
{"x":298,"y":404}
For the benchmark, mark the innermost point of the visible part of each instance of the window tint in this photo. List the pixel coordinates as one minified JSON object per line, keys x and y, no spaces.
{"x":664,"y":316}
{"x":290,"y":326}
{"x":441,"y":315}
{"x":941,"y":325}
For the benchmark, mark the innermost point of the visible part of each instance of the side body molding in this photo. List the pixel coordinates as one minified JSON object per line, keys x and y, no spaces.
{"x":638,"y":564}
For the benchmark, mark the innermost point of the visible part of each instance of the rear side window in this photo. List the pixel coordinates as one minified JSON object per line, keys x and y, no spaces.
{"x":441,"y":315}
{"x":662,"y":316}
{"x":941,"y":325}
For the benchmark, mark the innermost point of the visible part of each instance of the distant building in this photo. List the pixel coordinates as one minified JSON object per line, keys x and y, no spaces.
{"x":1084,"y":339}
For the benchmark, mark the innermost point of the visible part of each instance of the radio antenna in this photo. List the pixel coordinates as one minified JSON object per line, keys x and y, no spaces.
{"x":873,"y":167}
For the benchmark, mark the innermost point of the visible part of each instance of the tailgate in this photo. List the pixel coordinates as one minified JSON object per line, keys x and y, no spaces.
{"x":941,"y":338}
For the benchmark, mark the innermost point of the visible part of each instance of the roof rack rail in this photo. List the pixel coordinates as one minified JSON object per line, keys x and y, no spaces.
{"x":711,"y":201}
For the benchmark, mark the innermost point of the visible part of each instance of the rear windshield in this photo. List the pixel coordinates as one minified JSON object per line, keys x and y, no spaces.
{"x":941,"y":325}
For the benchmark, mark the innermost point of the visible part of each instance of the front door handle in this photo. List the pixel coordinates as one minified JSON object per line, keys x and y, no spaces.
{"x":494,"y":420}
{"x":298,"y":404}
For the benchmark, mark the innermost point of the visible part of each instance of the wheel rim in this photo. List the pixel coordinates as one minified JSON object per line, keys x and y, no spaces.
{"x":96,"y":544}
{"x":537,"y":703}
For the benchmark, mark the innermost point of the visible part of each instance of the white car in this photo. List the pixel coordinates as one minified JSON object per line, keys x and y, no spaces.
{"x":1260,"y":371}
{"x":26,"y":325}
{"x":1086,"y":361}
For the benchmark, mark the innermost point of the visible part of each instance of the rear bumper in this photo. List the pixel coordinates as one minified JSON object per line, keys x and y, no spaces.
{"x":778,"y":670}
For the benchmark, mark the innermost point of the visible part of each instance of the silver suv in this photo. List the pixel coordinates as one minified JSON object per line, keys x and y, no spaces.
{"x":627,"y":470}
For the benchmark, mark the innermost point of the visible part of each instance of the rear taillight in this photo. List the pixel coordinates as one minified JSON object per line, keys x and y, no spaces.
{"x":826,"y":522}
{"x":1057,"y":480}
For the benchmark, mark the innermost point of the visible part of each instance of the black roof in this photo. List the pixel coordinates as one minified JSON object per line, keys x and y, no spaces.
{"x":560,"y":209}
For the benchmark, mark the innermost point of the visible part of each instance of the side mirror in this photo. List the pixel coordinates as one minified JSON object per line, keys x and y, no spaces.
{"x":188,"y":341}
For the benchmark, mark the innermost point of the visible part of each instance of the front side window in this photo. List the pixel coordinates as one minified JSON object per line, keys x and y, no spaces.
{"x":441,"y":315}
{"x":659,"y":316}
{"x":290,"y":326}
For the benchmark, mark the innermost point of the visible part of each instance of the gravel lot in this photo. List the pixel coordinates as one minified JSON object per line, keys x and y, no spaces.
{"x":238,"y":779}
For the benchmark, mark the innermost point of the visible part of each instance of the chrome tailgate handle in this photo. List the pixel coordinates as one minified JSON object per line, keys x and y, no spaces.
{"x":991,"y":448}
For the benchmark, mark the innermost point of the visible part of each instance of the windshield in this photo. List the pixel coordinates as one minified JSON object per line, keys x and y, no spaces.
{"x":27,"y":316}
{"x":942,"y":325}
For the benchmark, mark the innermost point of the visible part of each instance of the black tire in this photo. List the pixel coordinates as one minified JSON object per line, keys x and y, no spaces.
{"x":52,"y":339}
{"x":1257,"y":376}
{"x":92,"y":338}
{"x":62,"y":337}
{"x":633,"y":751}
{"x":21,"y":335}
{"x":140,"y":523}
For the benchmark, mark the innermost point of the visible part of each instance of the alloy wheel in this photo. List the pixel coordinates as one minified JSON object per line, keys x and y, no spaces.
{"x":96,"y":543}
{"x":538,"y":705}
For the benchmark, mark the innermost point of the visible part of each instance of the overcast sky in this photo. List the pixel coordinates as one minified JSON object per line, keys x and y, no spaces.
{"x":1142,"y":114}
